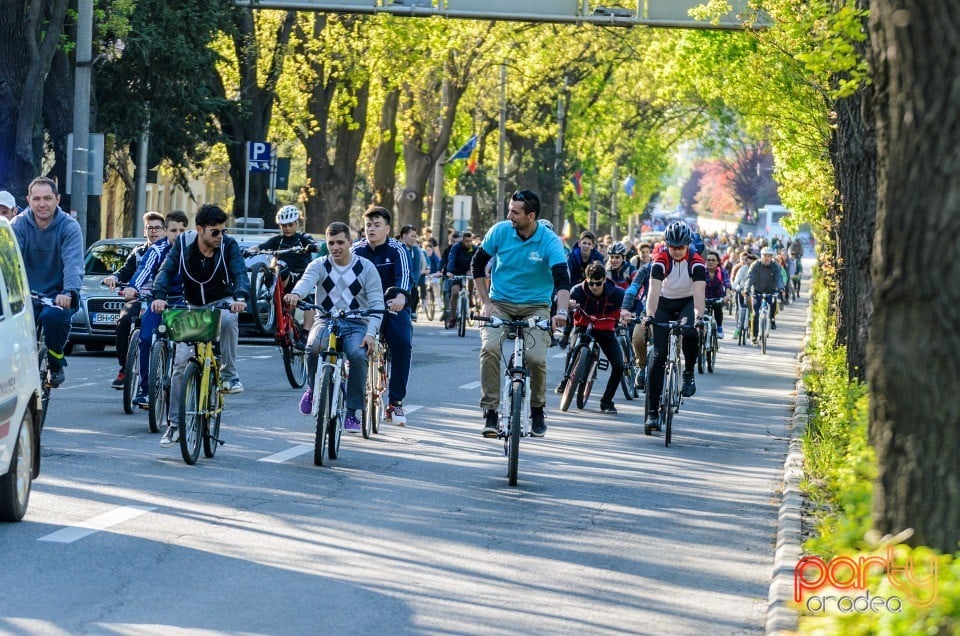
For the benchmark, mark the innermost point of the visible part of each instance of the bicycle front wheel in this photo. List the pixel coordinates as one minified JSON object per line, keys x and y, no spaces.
{"x":667,"y":402}
{"x":712,"y":354}
{"x":159,"y":387}
{"x":586,"y":385}
{"x":430,"y":304}
{"x":131,"y":372}
{"x":335,"y":434}
{"x":324,"y":405}
{"x":191,"y":414}
{"x":576,"y":371}
{"x":462,"y":317}
{"x":763,"y":328}
{"x":211,"y":430}
{"x":514,"y":432}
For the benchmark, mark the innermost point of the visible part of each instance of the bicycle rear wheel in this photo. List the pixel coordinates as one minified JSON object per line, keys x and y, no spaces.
{"x":514,"y":432}
{"x":294,"y":359}
{"x":211,"y":434}
{"x":131,"y":372}
{"x":159,"y":389}
{"x":191,"y":414}
{"x":263,"y":309}
{"x":324,"y":399}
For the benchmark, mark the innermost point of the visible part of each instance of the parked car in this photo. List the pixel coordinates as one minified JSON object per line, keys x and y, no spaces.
{"x":95,"y":323}
{"x":20,"y":390}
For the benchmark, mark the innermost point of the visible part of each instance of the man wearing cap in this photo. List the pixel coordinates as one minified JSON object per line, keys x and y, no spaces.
{"x":8,"y":205}
{"x":765,"y":278}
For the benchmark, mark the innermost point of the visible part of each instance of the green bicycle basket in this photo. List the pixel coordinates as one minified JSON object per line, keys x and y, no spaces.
{"x":192,"y":325}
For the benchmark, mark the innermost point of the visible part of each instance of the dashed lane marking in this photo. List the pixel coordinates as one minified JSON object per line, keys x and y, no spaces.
{"x":470,"y":385}
{"x":290,"y":453}
{"x":95,"y":524}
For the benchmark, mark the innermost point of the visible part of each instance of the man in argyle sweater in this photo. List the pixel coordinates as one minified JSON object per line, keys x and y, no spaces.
{"x":342,"y":281}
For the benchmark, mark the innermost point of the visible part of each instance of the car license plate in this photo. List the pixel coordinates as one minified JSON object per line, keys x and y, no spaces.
{"x":104,"y":318}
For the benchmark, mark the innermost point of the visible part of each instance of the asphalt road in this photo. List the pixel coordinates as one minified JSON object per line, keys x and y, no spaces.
{"x":415,"y":531}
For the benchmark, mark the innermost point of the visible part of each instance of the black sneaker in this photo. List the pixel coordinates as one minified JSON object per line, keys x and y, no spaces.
{"x":653,"y":424}
{"x":560,"y":387}
{"x":563,"y":341}
{"x":491,"y":423}
{"x":538,"y":428}
{"x":689,"y":386}
{"x":56,"y":375}
{"x":641,"y":380}
{"x":773,"y":324}
{"x":608,"y":407}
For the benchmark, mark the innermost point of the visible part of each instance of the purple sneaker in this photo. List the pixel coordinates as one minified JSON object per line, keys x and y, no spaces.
{"x":351,"y":424}
{"x":306,"y":402}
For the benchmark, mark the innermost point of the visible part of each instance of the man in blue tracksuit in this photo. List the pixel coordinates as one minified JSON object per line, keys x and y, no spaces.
{"x":388,"y":255}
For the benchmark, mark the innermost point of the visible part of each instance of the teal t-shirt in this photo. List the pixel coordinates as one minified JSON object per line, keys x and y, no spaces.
{"x":521,"y":268}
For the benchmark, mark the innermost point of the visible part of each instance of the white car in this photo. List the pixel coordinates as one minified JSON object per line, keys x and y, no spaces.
{"x":20,"y":388}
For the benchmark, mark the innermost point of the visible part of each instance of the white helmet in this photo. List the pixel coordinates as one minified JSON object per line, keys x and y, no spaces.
{"x":288,"y":214}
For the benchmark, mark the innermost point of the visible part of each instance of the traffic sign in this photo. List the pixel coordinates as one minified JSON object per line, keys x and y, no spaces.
{"x":258,"y":156}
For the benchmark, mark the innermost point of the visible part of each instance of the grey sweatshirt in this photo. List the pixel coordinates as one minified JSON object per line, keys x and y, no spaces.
{"x":53,"y":256}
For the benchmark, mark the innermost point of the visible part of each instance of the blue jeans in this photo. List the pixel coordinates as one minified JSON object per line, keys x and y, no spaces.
{"x":148,"y":324}
{"x":351,"y":336}
{"x":398,"y":332}
{"x":56,"y":327}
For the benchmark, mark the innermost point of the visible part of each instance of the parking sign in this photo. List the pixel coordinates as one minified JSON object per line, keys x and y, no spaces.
{"x":258,"y":156}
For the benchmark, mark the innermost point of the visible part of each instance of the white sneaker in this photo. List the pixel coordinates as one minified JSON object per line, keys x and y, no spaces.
{"x":395,"y":415}
{"x":232,"y":386}
{"x":171,"y":436}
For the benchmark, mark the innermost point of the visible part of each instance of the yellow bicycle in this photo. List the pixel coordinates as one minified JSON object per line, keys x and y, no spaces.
{"x":201,"y":398}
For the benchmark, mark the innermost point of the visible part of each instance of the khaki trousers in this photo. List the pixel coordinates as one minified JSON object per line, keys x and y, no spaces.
{"x":535,"y":355}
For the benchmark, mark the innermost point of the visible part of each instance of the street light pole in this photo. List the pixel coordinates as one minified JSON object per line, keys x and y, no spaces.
{"x":558,"y":161}
{"x":501,"y":176}
{"x":81,"y":114}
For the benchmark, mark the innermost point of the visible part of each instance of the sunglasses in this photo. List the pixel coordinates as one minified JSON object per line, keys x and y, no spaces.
{"x":214,"y":233}
{"x":520,"y":195}
{"x":596,"y":283}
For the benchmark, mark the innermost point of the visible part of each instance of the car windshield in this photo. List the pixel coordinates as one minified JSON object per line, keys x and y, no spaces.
{"x":105,"y":259}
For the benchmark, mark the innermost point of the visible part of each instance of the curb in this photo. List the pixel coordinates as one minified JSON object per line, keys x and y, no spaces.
{"x":782,"y":618}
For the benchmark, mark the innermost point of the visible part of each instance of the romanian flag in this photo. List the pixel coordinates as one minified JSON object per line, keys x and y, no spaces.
{"x":576,"y":180}
{"x":465,"y":150}
{"x":472,"y":160}
{"x":628,"y":185}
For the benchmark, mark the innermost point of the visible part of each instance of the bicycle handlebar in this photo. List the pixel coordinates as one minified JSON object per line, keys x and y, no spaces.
{"x":533,"y":322}
{"x":339,"y":313}
{"x":43,"y":300}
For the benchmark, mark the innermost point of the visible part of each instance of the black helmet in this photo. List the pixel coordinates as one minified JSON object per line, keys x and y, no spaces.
{"x":677,"y":235}
{"x":617,"y":248}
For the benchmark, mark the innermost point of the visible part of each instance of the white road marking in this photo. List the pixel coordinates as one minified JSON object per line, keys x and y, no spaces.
{"x":100,"y":522}
{"x":411,"y":408}
{"x":471,"y":385}
{"x":257,"y":357}
{"x":290,"y":453}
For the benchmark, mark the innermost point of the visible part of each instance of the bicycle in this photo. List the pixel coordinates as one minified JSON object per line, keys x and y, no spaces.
{"x":329,"y":385}
{"x":709,"y":343}
{"x":628,"y":383}
{"x":378,"y":377}
{"x":515,"y":393}
{"x":462,"y":307}
{"x":45,"y":385}
{"x":763,"y":319}
{"x":432,"y":297}
{"x":585,"y":363}
{"x":162,"y":350}
{"x":275,"y":317}
{"x":201,"y":398}
{"x":670,"y":397}
{"x":743,"y":319}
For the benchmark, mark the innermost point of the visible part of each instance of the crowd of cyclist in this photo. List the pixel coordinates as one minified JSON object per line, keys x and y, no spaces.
{"x":520,"y":266}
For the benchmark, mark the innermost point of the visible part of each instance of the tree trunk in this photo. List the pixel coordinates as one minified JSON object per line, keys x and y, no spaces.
{"x":385,"y":159}
{"x":914,"y":347}
{"x":252,"y":121}
{"x":29,"y":36}
{"x":855,"y":163}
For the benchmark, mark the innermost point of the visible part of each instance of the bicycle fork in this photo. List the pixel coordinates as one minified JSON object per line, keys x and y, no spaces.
{"x":208,"y":374}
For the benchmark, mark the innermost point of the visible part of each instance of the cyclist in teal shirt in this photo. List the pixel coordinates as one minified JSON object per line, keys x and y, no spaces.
{"x":528,"y":263}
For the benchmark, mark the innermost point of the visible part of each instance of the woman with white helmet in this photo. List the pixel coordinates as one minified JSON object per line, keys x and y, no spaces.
{"x":288,"y":218}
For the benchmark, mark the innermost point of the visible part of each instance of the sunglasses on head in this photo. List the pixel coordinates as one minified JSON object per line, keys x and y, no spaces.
{"x":214,"y":233}
{"x":596,"y":282}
